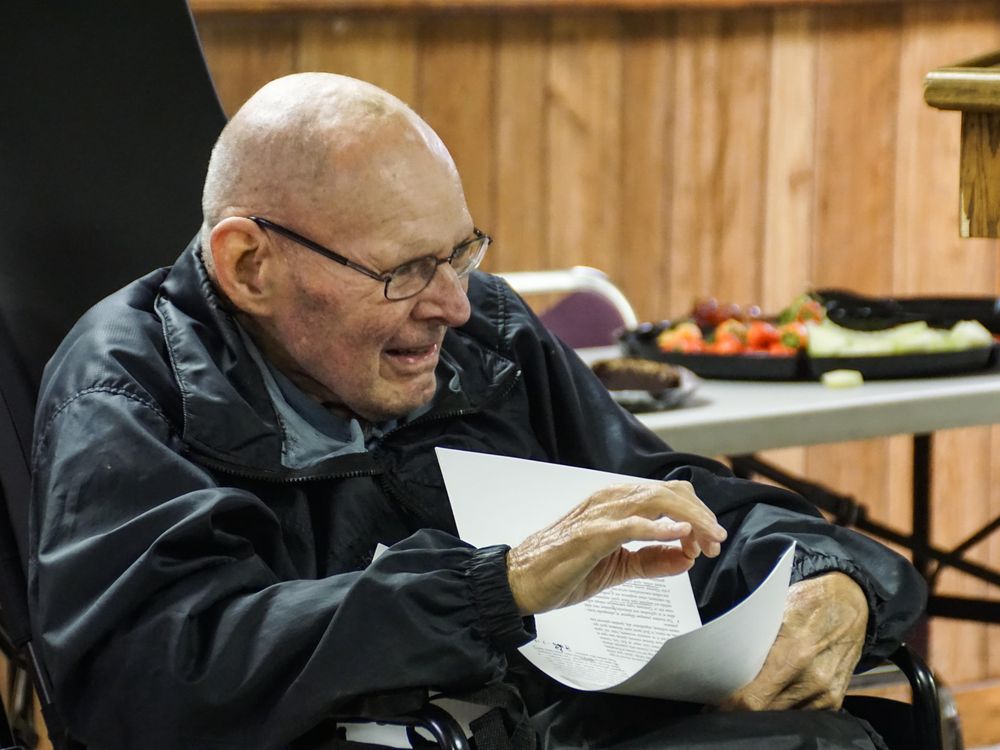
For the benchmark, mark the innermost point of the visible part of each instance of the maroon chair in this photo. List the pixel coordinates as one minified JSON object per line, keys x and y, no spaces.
{"x":593,"y":312}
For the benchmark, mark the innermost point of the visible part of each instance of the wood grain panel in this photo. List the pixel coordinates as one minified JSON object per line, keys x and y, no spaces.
{"x":380,"y":50}
{"x":456,"y":97}
{"x":584,"y":141}
{"x":959,"y":506}
{"x":647,"y":135}
{"x":521,"y":218}
{"x":791,"y":180}
{"x":855,"y":158}
{"x":719,"y":151}
{"x":244,"y":54}
{"x":264,"y":6}
{"x":979,"y":709}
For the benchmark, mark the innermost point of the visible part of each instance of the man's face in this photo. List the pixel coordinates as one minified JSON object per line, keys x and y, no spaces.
{"x":342,"y":340}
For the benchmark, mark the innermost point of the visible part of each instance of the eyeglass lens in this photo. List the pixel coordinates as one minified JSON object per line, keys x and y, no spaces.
{"x":412,"y":278}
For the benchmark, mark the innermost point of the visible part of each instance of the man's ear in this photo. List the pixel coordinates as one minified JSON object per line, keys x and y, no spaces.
{"x":245,"y":264}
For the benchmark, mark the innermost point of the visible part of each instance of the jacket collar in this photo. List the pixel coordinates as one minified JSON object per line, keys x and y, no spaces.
{"x":229,"y":418}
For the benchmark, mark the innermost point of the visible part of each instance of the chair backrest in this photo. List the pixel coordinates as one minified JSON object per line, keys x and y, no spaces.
{"x":593,"y":311}
{"x":106,"y":125}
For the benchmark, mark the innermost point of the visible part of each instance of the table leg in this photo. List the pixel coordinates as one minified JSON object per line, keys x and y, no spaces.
{"x":922,"y":457}
{"x":919,"y":638}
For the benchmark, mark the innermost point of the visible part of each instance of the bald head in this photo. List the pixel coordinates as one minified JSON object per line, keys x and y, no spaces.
{"x":307,"y":142}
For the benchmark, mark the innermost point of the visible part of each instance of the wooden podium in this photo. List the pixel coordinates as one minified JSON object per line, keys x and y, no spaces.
{"x":973,"y":87}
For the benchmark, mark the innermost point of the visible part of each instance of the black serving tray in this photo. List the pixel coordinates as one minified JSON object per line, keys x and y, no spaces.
{"x":866,"y":313}
{"x":641,"y":342}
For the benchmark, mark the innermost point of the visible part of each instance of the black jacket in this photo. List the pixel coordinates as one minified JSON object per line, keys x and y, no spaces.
{"x":195,"y":583}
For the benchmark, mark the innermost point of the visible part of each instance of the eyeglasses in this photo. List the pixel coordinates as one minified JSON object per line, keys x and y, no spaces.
{"x":408,"y":279}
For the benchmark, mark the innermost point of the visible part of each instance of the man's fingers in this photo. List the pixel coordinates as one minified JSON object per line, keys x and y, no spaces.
{"x":690,"y":547}
{"x":639,"y":529}
{"x":586,"y":550}
{"x":657,"y":561}
{"x":674,"y":499}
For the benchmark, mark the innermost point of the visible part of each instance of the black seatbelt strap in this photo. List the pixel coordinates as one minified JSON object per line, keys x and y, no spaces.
{"x":505,"y":726}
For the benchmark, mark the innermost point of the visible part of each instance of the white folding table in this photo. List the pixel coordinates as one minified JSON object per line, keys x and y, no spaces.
{"x":739,"y":418}
{"x":733,"y":417}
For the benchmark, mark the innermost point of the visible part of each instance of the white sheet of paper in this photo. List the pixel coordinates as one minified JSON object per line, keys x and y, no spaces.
{"x":640,"y":638}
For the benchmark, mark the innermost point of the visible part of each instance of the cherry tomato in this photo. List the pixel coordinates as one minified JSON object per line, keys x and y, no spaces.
{"x":760,"y":335}
{"x":778,"y":349}
{"x":726,"y":345}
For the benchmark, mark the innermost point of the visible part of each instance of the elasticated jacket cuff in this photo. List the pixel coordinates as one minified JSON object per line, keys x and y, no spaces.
{"x":497,"y":611}
{"x":810,"y":565}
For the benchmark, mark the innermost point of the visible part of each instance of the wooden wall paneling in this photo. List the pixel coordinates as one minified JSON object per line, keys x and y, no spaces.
{"x":723,"y":63}
{"x":39,"y":722}
{"x":930,"y":258}
{"x":244,"y":53}
{"x":521,"y":212}
{"x":856,"y":118}
{"x":266,"y":6}
{"x":789,"y":175}
{"x":456,"y":95}
{"x":379,"y":49}
{"x":979,"y":710}
{"x":648,"y":112}
{"x":857,"y":91}
{"x":791,"y":142}
{"x":584,"y":141}
{"x":694,"y":160}
{"x":746,"y":66}
{"x":960,"y":503}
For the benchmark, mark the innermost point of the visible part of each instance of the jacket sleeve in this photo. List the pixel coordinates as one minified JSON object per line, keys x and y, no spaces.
{"x":152,"y":583}
{"x":581,"y":425}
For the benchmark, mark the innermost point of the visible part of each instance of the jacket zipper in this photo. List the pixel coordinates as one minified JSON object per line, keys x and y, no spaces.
{"x":383,"y":483}
{"x":265,"y":476}
{"x":293,"y":478}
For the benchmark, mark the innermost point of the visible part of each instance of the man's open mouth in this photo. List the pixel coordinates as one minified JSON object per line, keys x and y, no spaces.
{"x":413,"y":356}
{"x":418,"y":351}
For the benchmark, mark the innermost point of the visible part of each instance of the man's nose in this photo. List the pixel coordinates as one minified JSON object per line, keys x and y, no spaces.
{"x":445,"y":298}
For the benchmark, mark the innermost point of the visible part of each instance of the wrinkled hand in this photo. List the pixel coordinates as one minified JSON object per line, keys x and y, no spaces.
{"x":817,"y":648}
{"x":581,"y":554}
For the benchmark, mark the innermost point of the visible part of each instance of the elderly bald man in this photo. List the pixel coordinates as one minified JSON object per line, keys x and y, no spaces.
{"x":222,"y":444}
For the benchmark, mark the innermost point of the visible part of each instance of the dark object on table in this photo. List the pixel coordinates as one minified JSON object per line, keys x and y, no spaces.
{"x":865,"y":313}
{"x":635,"y":374}
{"x":638,"y":384}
